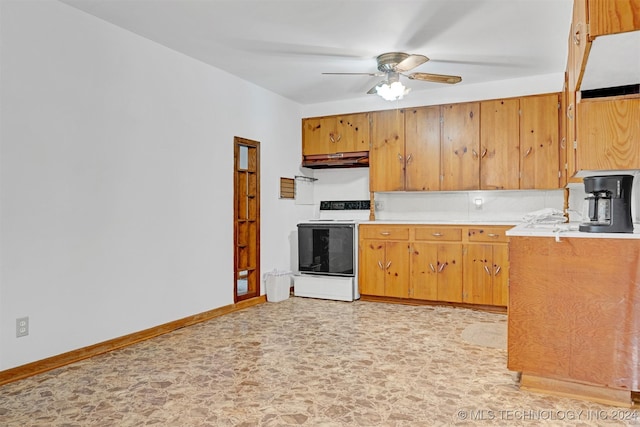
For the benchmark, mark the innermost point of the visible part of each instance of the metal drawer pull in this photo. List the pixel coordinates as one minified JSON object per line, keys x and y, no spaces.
{"x":432,"y":267}
{"x":498,"y":268}
{"x":493,"y":235}
{"x":437,"y":234}
{"x":385,"y":233}
{"x":487,"y":270}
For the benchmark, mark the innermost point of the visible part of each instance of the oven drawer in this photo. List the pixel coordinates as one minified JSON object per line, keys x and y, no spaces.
{"x":446,"y":234}
{"x":489,"y":234}
{"x":384,"y":232}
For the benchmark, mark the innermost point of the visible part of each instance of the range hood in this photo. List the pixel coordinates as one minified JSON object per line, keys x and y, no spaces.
{"x":357,"y":159}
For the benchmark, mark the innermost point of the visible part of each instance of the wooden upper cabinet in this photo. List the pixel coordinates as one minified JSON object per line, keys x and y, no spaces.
{"x":608,"y":134}
{"x":579,"y":44}
{"x":387,"y":153}
{"x":352,"y":132}
{"x":422,"y":148}
{"x":539,"y":142}
{"x":460,"y":146}
{"x":499,"y":144}
{"x":335,"y":134}
{"x":613,"y":16}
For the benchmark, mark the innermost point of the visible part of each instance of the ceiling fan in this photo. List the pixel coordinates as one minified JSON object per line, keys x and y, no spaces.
{"x":392,"y":65}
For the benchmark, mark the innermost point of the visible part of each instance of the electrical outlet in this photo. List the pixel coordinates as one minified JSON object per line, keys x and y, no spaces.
{"x":22,"y":327}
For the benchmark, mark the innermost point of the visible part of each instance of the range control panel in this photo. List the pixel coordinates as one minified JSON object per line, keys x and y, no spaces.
{"x":345,"y":205}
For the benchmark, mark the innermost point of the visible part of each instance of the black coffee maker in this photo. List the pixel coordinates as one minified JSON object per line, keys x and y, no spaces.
{"x":609,"y":199}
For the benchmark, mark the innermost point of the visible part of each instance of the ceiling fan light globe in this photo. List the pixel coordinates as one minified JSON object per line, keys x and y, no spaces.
{"x":393,"y":91}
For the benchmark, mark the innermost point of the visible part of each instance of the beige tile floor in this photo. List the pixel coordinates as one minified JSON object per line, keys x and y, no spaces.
{"x":301,"y":362}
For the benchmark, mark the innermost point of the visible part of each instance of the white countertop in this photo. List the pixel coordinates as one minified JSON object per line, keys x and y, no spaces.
{"x":441,"y":222}
{"x":566,"y":230}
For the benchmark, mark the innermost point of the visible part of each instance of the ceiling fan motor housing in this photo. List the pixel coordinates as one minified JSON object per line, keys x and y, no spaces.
{"x":388,"y":61}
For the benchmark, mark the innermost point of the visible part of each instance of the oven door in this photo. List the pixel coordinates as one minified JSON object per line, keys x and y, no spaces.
{"x":326,"y":249}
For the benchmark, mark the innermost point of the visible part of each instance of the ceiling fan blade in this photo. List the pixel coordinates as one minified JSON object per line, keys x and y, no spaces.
{"x":356,"y":74}
{"x":436,"y":78}
{"x":410,"y":62}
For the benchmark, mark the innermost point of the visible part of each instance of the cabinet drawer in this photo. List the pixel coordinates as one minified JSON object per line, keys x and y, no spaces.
{"x":439,"y":233}
{"x":488,"y":234}
{"x":384,"y":233}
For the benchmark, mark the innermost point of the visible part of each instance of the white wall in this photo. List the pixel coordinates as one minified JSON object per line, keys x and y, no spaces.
{"x":116,"y":193}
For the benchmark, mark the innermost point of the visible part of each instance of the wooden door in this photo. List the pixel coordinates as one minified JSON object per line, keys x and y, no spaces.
{"x":422,"y":148}
{"x":246,"y":219}
{"x":317,"y":134}
{"x":478,"y":274}
{"x":352,"y":133}
{"x":500,"y":271}
{"x":460,"y":145}
{"x":608,"y":134}
{"x":397,"y":269}
{"x":611,"y":17}
{"x":371,"y":267}
{"x":579,"y":44}
{"x":539,"y":142}
{"x":386,"y":156}
{"x":449,"y":270}
{"x":424,"y":274}
{"x":499,"y":144}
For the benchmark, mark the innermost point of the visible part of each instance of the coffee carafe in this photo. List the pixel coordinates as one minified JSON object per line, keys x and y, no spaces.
{"x":609,"y":204}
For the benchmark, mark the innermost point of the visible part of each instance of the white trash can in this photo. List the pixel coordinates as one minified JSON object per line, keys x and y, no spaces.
{"x":278,"y":285}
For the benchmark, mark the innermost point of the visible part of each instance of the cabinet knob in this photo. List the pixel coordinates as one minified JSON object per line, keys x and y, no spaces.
{"x":528,"y":152}
{"x":487,"y":270}
{"x":498,"y":268}
{"x":432,"y":267}
{"x":442,"y":266}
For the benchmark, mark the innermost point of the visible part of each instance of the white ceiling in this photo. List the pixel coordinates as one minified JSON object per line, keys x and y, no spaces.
{"x":285,"y":45}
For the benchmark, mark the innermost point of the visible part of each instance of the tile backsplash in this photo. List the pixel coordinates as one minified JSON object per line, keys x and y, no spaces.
{"x":489,"y":206}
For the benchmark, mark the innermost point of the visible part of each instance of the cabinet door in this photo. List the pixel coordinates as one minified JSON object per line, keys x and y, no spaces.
{"x":579,"y":44}
{"x":611,"y":17}
{"x":539,"y":147}
{"x":478,"y":274}
{"x":609,"y":134}
{"x":386,"y":155}
{"x":460,"y":144}
{"x":371,"y":273}
{"x":499,"y":144}
{"x":352,"y":133}
{"x":449,"y":270}
{"x":422,"y":148}
{"x":397,"y":270}
{"x":424,"y":272}
{"x":500,"y":270}
{"x":317,"y":133}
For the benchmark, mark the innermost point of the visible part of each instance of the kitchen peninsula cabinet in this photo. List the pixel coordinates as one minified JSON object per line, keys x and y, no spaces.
{"x":460,"y":146}
{"x":573,"y":322}
{"x":383,"y":261}
{"x":422,"y":262}
{"x":335,"y":134}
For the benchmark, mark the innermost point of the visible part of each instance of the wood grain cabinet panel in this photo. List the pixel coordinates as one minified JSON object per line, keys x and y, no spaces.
{"x":539,"y":142}
{"x":573,"y":310}
{"x":335,"y":134}
{"x":422,"y":149}
{"x":500,"y":144}
{"x":460,"y":146}
{"x":608,"y":134}
{"x":613,"y":16}
{"x":387,"y":153}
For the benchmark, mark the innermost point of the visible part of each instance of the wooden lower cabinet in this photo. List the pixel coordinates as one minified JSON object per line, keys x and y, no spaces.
{"x":435,"y":263}
{"x":573,"y":313}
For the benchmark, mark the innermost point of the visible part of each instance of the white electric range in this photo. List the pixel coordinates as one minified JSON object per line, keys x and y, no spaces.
{"x":328,"y":251}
